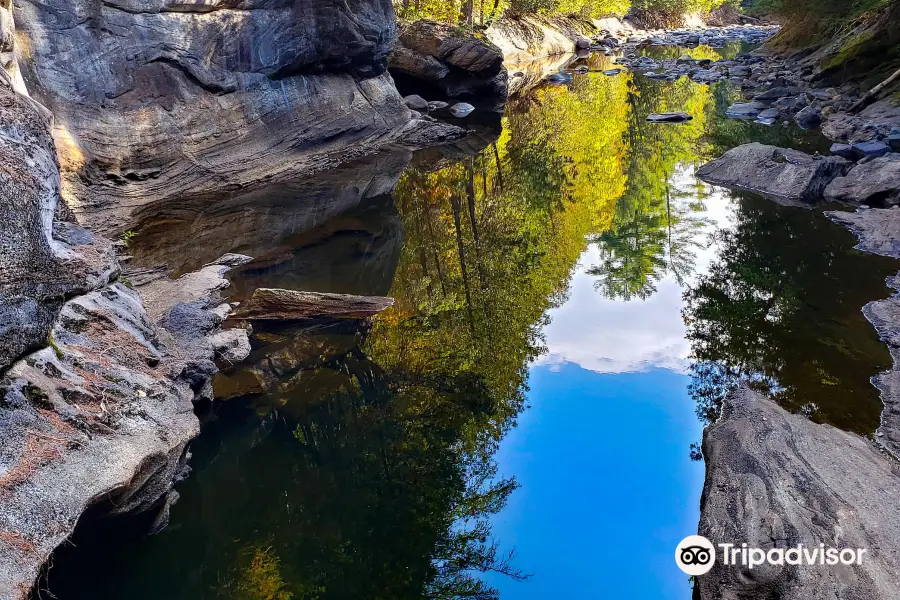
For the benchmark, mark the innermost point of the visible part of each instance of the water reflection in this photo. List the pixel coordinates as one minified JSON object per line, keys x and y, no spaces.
{"x":358,"y":460}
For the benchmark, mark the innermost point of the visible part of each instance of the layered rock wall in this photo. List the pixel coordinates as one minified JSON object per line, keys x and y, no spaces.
{"x":166,"y":99}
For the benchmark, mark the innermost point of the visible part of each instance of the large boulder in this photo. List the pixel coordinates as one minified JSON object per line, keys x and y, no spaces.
{"x":439,"y":60}
{"x":162,"y":99}
{"x":875,"y":182}
{"x":786,"y":175}
{"x":776,"y":480}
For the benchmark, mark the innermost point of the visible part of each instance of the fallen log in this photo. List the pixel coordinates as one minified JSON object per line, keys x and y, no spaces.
{"x":872,"y":95}
{"x":286,"y":305}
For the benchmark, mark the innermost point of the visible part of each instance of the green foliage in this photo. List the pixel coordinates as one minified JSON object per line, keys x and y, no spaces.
{"x":127,"y":237}
{"x":756,"y":317}
{"x":56,"y":349}
{"x":669,"y":12}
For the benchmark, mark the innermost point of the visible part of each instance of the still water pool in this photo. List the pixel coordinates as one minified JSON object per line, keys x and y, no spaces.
{"x":571,"y":306}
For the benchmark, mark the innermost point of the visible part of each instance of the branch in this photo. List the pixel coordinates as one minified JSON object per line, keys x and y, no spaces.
{"x":872,"y":94}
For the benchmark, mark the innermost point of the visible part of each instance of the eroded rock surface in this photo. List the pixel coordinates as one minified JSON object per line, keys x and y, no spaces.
{"x":104,"y":414}
{"x":774,"y":479}
{"x":45,"y":258}
{"x":449,"y":63}
{"x":164,"y":100}
{"x":876,"y":182}
{"x":785,"y":175}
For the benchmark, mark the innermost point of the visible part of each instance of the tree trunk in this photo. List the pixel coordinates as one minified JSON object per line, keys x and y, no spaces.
{"x":276,"y":304}
{"x":457,"y":219}
{"x":467,"y":10}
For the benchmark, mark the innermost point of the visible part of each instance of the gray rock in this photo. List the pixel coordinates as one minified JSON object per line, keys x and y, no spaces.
{"x":774,"y":94}
{"x":744,"y":110}
{"x":231,"y":345}
{"x":461,"y":110}
{"x":42,"y":262}
{"x":893,"y":141}
{"x":786,"y":175}
{"x":415,"y":102}
{"x":808,"y":118}
{"x":420,"y":66}
{"x":739,"y":71}
{"x":774,"y":479}
{"x":874,"y":148}
{"x":559,"y":78}
{"x":461,"y":65}
{"x":844,"y":151}
{"x":876,"y":182}
{"x":582,"y":44}
{"x":671,"y":117}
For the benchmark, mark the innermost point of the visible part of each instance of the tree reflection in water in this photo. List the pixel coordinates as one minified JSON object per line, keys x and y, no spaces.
{"x":356,"y":460}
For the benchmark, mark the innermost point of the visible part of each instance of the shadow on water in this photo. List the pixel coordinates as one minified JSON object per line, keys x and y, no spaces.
{"x":355,"y":460}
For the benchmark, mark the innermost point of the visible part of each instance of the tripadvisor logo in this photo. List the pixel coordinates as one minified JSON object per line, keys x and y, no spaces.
{"x":696,"y":555}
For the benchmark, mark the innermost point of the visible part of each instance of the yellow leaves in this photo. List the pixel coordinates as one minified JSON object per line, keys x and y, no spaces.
{"x":261,"y":578}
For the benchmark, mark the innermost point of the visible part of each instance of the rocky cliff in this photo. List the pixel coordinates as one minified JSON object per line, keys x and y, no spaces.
{"x":95,"y":393}
{"x":166,"y":99}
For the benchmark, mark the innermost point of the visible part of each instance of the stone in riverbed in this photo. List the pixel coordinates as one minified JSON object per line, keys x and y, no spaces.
{"x":561,"y":77}
{"x":461,"y":110}
{"x":808,"y":118}
{"x":876,"y":182}
{"x":582,"y":44}
{"x":774,"y":94}
{"x":744,"y":110}
{"x":786,"y":175}
{"x":894,"y":142}
{"x":873,"y":148}
{"x":768,"y":117}
{"x":671,"y":117}
{"x":843,"y":150}
{"x":415,"y":102}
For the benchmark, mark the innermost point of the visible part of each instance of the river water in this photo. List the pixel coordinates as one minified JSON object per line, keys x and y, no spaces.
{"x":571,"y":306}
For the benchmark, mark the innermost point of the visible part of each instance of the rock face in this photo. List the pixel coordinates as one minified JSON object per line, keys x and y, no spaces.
{"x":876,"y":182}
{"x":777,"y":480}
{"x":95,"y":394}
{"x":44,"y":259}
{"x":789,"y":176}
{"x":164,"y":99}
{"x":449,"y":63}
{"x":102,"y":418}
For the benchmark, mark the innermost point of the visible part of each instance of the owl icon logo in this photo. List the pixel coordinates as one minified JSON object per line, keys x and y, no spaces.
{"x":695,"y":555}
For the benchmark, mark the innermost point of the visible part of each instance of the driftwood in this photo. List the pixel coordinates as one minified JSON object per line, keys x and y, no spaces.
{"x":285,"y":305}
{"x":872,"y":95}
